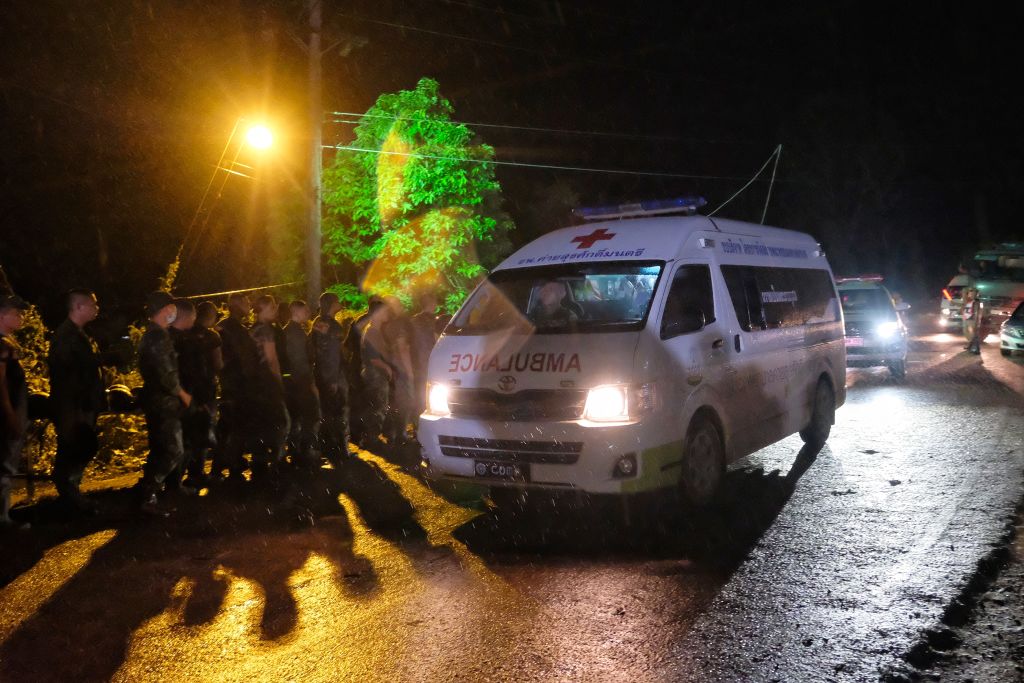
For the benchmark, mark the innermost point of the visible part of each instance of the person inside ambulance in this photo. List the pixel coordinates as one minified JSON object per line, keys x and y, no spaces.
{"x":553,"y":306}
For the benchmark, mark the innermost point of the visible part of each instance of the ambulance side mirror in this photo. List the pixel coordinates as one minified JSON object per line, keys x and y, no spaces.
{"x":690,"y":319}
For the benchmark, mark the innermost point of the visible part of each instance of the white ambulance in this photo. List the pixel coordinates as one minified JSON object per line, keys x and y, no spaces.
{"x":639,"y":352}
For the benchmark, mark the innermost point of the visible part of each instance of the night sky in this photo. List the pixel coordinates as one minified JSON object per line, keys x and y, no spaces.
{"x":900,"y":123}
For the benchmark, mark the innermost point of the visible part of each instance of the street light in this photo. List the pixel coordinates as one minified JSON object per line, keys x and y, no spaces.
{"x":259,"y":137}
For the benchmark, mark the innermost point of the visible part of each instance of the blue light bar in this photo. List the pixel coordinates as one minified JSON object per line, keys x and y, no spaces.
{"x":654,"y":207}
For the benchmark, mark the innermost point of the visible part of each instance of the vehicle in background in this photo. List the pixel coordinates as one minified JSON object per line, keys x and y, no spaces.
{"x":997,"y":278}
{"x":633,"y":354}
{"x":952,"y":304}
{"x":876,"y":334}
{"x":1011,"y":333}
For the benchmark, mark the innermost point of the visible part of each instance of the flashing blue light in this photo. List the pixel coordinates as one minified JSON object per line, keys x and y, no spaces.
{"x":654,"y":207}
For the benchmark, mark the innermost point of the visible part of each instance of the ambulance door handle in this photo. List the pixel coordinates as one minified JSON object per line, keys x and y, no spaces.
{"x":718,"y":343}
{"x":736,"y":343}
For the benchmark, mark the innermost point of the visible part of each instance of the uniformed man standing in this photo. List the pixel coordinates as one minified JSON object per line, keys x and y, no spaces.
{"x":270,"y":414}
{"x":13,"y":402}
{"x":398,"y":336}
{"x":238,"y":385}
{"x":329,"y":372}
{"x":300,"y":387}
{"x":424,"y":336}
{"x":198,"y":348}
{"x":76,"y":397}
{"x":376,"y":374}
{"x":163,"y":398}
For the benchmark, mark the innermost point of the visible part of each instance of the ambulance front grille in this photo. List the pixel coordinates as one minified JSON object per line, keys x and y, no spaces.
{"x":523,"y":406}
{"x":509,"y":450}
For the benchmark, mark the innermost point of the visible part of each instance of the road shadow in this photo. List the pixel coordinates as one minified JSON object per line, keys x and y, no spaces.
{"x":651,"y":525}
{"x":262,"y":535}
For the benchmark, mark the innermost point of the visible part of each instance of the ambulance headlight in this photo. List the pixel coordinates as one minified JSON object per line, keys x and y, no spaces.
{"x":887,"y":330}
{"x":607,"y":404}
{"x":437,"y":399}
{"x":618,"y":402}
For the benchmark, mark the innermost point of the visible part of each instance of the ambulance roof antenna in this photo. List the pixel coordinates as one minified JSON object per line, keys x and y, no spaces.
{"x":776,"y":153}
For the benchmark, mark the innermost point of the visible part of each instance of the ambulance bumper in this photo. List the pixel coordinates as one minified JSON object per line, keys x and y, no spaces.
{"x":617,"y":458}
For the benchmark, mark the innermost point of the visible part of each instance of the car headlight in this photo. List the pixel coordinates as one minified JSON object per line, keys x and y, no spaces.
{"x":437,"y":399}
{"x":619,"y":402}
{"x":887,"y":330}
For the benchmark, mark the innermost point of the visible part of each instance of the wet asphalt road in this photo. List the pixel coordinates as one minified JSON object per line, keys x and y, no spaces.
{"x":824,"y":567}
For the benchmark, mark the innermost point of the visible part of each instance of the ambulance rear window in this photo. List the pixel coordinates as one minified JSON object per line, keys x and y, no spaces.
{"x":560,"y":299}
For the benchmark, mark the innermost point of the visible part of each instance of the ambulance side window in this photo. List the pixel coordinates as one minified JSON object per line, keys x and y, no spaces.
{"x":741,"y":282}
{"x":690,"y":293}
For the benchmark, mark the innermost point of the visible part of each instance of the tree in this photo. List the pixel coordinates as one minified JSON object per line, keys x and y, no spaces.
{"x":418,"y":206}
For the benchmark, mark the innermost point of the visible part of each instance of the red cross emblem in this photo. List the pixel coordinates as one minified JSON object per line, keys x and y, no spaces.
{"x":587,"y":241}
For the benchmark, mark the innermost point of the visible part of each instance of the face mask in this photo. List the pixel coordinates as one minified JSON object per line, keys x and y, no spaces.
{"x":171,"y":317}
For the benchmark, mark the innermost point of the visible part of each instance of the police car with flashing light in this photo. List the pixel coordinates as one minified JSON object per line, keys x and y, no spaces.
{"x":876,"y":334}
{"x":638,"y":351}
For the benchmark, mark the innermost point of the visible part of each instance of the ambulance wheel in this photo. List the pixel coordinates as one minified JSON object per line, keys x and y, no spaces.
{"x":898,"y":369}
{"x":823,"y":415}
{"x":703,"y":463}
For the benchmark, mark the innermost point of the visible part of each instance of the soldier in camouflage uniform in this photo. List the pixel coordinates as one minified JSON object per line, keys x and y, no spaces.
{"x":163,"y":398}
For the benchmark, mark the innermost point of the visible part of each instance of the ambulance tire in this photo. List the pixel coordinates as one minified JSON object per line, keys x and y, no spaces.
{"x":703,"y":463}
{"x":823,"y":415}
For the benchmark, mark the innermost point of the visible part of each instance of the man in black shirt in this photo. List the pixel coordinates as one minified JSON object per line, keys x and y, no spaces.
{"x":300,"y":388}
{"x":270,"y":413}
{"x":76,"y":396}
{"x":238,"y":384}
{"x":163,"y":398}
{"x":198,"y":348}
{"x":13,"y":401}
{"x":329,"y":372}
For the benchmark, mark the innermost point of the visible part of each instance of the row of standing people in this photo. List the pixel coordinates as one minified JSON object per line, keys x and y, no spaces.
{"x":282,"y":389}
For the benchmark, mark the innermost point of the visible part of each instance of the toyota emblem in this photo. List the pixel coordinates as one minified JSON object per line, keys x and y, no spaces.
{"x":507,"y":383}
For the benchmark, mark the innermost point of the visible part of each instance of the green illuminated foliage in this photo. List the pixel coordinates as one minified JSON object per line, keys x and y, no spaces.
{"x":418,"y":209}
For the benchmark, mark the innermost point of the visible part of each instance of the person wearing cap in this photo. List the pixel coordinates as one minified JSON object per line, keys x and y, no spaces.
{"x":76,"y":397}
{"x":329,"y":372}
{"x":163,"y":398}
{"x":13,"y":401}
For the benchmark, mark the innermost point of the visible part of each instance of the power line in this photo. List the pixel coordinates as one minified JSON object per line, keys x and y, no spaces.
{"x":540,"y":129}
{"x":549,"y":167}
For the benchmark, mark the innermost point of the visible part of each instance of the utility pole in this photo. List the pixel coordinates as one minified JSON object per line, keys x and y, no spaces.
{"x":313,"y":231}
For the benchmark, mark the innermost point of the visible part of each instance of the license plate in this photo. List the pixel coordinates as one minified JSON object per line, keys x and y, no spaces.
{"x":854,"y":341}
{"x":505,"y":471}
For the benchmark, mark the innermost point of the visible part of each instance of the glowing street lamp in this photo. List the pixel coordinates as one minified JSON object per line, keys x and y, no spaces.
{"x":259,"y":137}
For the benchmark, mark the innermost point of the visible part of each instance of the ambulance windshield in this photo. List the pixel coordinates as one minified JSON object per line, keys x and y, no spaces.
{"x":568,"y":298}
